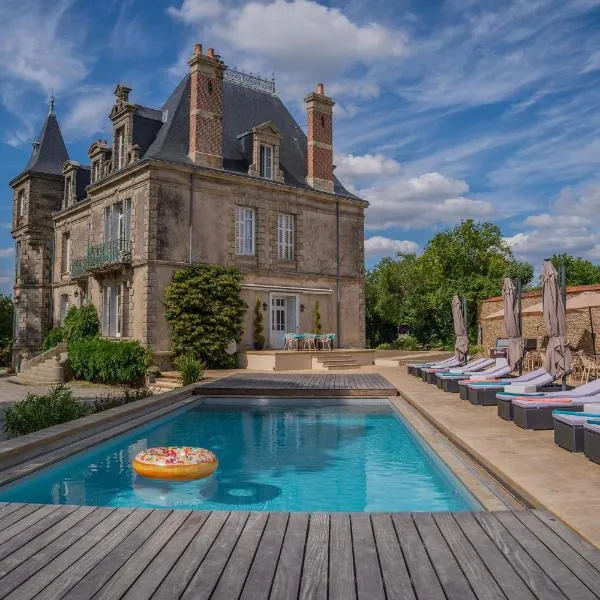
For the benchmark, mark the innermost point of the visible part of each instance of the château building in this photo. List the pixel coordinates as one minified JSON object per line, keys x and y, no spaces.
{"x":220,"y":174}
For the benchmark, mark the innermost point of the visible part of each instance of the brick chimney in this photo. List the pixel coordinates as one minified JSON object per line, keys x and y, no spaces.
{"x":206,"y":108}
{"x":319,"y":118}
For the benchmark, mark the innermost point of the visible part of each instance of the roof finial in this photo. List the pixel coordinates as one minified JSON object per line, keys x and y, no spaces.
{"x":52,"y":101}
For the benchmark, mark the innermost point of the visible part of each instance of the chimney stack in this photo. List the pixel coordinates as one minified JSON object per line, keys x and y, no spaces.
{"x":319,"y":119}
{"x":206,"y":108}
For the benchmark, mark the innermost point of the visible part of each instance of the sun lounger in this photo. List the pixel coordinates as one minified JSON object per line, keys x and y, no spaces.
{"x":472,"y":366}
{"x":591,"y":440}
{"x":505,"y":399}
{"x":568,"y":426}
{"x":426,"y":371}
{"x":449,"y":383}
{"x":449,"y":362}
{"x":531,"y":413}
{"x":484,"y":393}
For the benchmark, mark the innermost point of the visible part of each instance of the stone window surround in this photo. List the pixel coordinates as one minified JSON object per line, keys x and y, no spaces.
{"x":241,"y":242}
{"x":66,"y":253}
{"x":21,"y":197}
{"x":265,"y":134}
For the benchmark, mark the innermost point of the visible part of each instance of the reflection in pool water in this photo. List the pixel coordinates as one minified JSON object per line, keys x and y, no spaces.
{"x":270,"y":458}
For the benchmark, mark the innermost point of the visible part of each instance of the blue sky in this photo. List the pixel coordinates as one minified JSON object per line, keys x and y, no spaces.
{"x":446,"y":109}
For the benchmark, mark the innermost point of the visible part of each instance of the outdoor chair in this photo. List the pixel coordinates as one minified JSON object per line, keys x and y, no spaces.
{"x":290,"y":341}
{"x":310,"y":341}
{"x":327,"y":341}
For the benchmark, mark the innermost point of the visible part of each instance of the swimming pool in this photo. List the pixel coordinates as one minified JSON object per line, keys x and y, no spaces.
{"x":305,"y":457}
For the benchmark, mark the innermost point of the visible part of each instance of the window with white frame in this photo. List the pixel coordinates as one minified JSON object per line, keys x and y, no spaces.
{"x":95,"y":171}
{"x":266,"y":161}
{"x":120,"y":147}
{"x":65,"y":262}
{"x":285,"y":237}
{"x":63,"y":308}
{"x":117,"y":222}
{"x":21,"y":203}
{"x":18,"y":260}
{"x":245,"y":227}
{"x":112,"y":310}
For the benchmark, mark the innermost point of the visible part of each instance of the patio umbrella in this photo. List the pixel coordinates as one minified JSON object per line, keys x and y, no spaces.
{"x":558,"y":356}
{"x":461,"y":346}
{"x":585,"y":302}
{"x":511,"y":323}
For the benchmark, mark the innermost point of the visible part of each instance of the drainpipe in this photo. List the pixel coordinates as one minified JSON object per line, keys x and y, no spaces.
{"x":337,"y":270}
{"x":520,"y":321}
{"x":190,"y":215}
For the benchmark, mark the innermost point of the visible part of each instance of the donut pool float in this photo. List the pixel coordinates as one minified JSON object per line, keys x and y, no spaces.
{"x":177,"y":463}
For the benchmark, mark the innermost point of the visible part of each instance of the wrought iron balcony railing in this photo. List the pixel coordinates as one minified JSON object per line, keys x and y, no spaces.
{"x":101,"y":257}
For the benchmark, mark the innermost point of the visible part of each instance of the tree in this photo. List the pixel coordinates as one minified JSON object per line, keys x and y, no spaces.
{"x":578,"y":270}
{"x":470,"y":260}
{"x":317,"y":328}
{"x":205,"y":312}
{"x":258,"y":333}
{"x":6,"y":318}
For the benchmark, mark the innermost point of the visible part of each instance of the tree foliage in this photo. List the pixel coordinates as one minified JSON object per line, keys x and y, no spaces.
{"x":205,"y":312}
{"x":578,"y":270}
{"x":81,"y":323}
{"x":258,"y":331}
{"x":6,"y":329}
{"x":317,"y":327}
{"x":470,"y":260}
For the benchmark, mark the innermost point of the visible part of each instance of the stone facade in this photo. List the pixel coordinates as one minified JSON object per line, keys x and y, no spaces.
{"x":579,"y":330}
{"x":151,"y":216}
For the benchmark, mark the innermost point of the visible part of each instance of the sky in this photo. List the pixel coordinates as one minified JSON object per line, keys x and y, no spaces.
{"x":445,"y":109}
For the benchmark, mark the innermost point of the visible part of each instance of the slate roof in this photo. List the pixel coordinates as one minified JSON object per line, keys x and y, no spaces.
{"x":50,"y":154}
{"x":243,"y":109}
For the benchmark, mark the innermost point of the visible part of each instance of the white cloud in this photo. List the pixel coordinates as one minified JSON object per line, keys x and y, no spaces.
{"x":365,"y":165}
{"x":195,"y":11}
{"x":378,"y":246}
{"x":6,"y":252}
{"x":88,"y":114}
{"x":548,"y":221}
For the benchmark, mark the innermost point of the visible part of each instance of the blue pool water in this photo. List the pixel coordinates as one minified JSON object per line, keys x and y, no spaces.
{"x":333,"y":458}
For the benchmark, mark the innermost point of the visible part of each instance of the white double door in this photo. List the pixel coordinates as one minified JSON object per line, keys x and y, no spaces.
{"x":283,"y":318}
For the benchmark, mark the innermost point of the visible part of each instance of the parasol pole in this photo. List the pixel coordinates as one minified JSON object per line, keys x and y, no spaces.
{"x":563,"y":285}
{"x":520,"y":321}
{"x":592,"y":330}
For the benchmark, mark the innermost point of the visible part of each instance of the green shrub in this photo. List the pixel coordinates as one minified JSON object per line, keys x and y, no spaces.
{"x":111,"y":400}
{"x":153,"y":370}
{"x":406,"y":342}
{"x":317,"y":328}
{"x":258,"y":335}
{"x":384,"y":346}
{"x":205,"y":311}
{"x":106,"y":361}
{"x":190,"y":368}
{"x":476,"y":350}
{"x":81,"y":323}
{"x":53,"y":337}
{"x":38,"y":411}
{"x":6,"y":353}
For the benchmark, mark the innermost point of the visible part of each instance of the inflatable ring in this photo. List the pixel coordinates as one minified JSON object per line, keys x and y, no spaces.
{"x":177,"y":463}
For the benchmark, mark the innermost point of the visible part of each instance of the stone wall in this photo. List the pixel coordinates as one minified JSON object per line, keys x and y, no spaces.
{"x":579,"y":331}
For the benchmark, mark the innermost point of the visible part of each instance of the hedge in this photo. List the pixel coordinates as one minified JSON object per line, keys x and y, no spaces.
{"x":105,"y":361}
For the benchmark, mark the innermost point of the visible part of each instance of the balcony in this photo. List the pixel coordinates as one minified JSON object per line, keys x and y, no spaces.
{"x":102,"y":257}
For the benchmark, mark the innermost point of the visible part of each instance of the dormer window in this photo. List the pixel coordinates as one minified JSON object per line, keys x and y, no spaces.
{"x":120,"y":148}
{"x":21,"y":203}
{"x":95,"y":171}
{"x":68,"y":191}
{"x":266,"y":161}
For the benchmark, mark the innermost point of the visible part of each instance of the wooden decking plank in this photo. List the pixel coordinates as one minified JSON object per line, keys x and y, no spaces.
{"x":232,"y":580}
{"x":99,"y":575}
{"x":482,"y":583}
{"x":22,"y":524}
{"x":501,"y":569}
{"x":313,"y":583}
{"x":286,"y":582}
{"x":369,"y":581}
{"x":341,"y":563}
{"x":541,"y":585}
{"x":565,"y":580}
{"x":262,"y":571}
{"x":576,"y":563}
{"x":9,"y":507}
{"x":81,"y":564}
{"x":393,"y":567}
{"x":126,"y":575}
{"x":178,"y":578}
{"x":159,"y":567}
{"x":422,"y":573}
{"x":448,"y":570}
{"x":39,"y":570}
{"x":35,"y":531}
{"x":570,"y":537}
{"x":204,"y":580}
{"x":18,"y":514}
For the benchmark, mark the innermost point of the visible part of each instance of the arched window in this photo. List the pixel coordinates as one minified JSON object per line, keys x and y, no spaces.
{"x":21,"y":203}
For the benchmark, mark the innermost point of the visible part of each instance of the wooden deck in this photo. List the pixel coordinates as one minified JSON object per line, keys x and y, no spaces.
{"x":303,"y":384}
{"x":49,"y":551}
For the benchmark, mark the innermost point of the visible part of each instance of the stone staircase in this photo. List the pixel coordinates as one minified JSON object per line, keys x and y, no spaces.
{"x":399,"y":361}
{"x":167,"y":381}
{"x":48,"y":368}
{"x":335,"y":362}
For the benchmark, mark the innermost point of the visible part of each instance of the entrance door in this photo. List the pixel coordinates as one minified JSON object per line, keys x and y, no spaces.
{"x":279,"y":313}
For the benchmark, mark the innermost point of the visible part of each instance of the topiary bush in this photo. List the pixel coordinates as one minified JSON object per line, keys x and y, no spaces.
{"x":38,"y":411}
{"x":81,"y":323}
{"x":317,"y":328}
{"x":190,"y":368}
{"x":52,"y":338}
{"x":258,"y":332}
{"x":106,"y":361}
{"x":205,"y":311}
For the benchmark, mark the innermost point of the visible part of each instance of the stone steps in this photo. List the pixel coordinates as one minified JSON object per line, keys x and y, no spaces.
{"x":49,"y":372}
{"x":336,"y":362}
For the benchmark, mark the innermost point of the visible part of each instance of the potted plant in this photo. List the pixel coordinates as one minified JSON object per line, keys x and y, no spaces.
{"x":258,"y":335}
{"x":152,"y":373}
